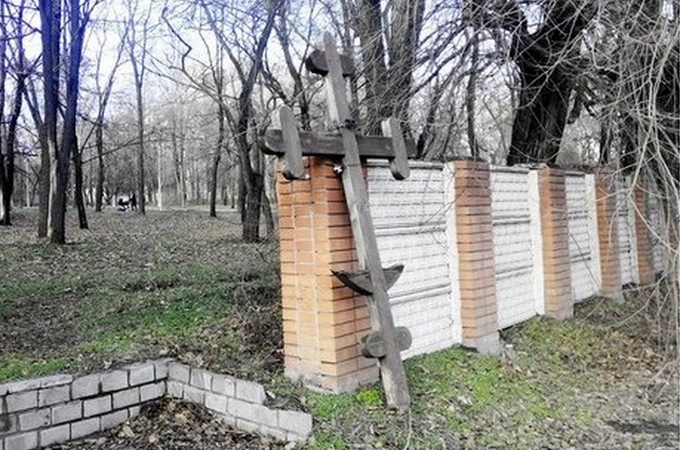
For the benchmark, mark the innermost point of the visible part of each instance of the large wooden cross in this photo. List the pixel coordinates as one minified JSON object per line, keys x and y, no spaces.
{"x":385,"y":341}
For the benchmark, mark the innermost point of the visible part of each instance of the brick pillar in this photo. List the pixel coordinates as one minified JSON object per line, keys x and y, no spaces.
{"x":608,"y":234}
{"x":645,"y":263}
{"x":474,"y":241}
{"x":555,"y":236}
{"x":323,"y":321}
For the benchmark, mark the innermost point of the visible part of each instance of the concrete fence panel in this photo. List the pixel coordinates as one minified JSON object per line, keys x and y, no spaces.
{"x":584,"y":280}
{"x":410,"y":218}
{"x":626,"y":230}
{"x":514,"y":261}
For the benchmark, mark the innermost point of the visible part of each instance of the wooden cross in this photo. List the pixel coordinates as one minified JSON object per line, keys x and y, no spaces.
{"x":385,"y":341}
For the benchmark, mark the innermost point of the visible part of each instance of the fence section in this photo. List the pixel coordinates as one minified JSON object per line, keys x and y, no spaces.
{"x":483,"y":249}
{"x":655,"y":217}
{"x":626,"y":224}
{"x":583,"y":276}
{"x":410,"y":218}
{"x":513,"y":258}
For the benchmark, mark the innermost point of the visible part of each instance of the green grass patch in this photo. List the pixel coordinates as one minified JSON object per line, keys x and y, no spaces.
{"x":464,"y":400}
{"x":138,"y":286}
{"x":15,"y":367}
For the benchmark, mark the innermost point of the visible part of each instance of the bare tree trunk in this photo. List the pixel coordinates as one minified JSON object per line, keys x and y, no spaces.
{"x":215,"y":171}
{"x":471,"y":96}
{"x":57,"y":225}
{"x":78,"y":188}
{"x":252,"y":180}
{"x":137,"y":51}
{"x":7,"y":161}
{"x":547,"y":82}
{"x":141,"y":183}
{"x":99,"y":142}
{"x":369,"y":29}
{"x":50,"y":15}
{"x":44,"y":184}
{"x":159,"y":167}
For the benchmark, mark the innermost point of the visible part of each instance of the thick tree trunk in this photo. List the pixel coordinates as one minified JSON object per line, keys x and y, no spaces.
{"x":50,"y":15}
{"x":44,"y":184}
{"x":6,"y":188}
{"x":69,"y":142}
{"x":547,"y":62}
{"x":269,"y":226}
{"x":541,"y":115}
{"x":251,"y":222}
{"x":471,"y":97}
{"x":7,"y":172}
{"x":369,"y":29}
{"x":213,"y":183}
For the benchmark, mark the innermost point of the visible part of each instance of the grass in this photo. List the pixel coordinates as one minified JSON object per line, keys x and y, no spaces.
{"x":541,"y":393}
{"x":137,"y":287}
{"x":18,"y":368}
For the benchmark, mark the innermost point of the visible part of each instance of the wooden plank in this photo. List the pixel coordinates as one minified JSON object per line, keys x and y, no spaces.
{"x":399,"y":162}
{"x":391,"y":365}
{"x":330,"y":144}
{"x":316,"y":63}
{"x":293,"y":168}
{"x":360,"y":282}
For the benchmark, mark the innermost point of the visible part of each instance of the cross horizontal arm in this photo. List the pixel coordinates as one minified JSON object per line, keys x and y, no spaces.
{"x":317,"y":144}
{"x":316,"y":63}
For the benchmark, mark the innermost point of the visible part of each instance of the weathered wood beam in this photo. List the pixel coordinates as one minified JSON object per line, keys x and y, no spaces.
{"x":316,"y":63}
{"x":330,"y":144}
{"x":356,"y":194}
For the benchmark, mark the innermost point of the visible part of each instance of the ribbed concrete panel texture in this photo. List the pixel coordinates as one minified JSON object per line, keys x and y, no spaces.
{"x":410,"y":220}
{"x":626,"y":232}
{"x":512,"y":245}
{"x":656,"y":218}
{"x":584,"y":281}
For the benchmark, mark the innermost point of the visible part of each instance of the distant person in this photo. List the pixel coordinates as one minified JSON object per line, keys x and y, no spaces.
{"x":133,"y":202}
{"x":123,"y":204}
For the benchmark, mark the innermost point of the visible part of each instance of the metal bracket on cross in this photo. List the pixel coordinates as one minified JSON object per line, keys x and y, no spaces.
{"x":385,"y":341}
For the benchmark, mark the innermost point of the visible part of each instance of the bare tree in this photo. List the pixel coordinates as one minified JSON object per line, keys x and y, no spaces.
{"x":12,"y":60}
{"x":103,"y":93}
{"x":247,"y":72}
{"x":136,"y":37}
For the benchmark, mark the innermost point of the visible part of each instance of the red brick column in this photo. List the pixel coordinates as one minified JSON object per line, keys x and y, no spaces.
{"x":476,"y":272}
{"x":555,"y":234}
{"x":323,"y":320}
{"x":643,"y":242}
{"x":608,"y":234}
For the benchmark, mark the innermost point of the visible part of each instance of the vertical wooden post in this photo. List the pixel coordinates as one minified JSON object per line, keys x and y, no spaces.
{"x":356,"y":195}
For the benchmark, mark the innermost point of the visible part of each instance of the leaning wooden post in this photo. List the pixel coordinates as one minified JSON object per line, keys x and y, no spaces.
{"x":356,"y":195}
{"x":385,"y":341}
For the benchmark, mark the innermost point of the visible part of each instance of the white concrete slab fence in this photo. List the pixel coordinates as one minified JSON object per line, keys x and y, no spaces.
{"x":484,"y":248}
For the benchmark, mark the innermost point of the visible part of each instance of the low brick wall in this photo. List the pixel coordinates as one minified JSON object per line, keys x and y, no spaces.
{"x":240,"y":403}
{"x":51,"y":410}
